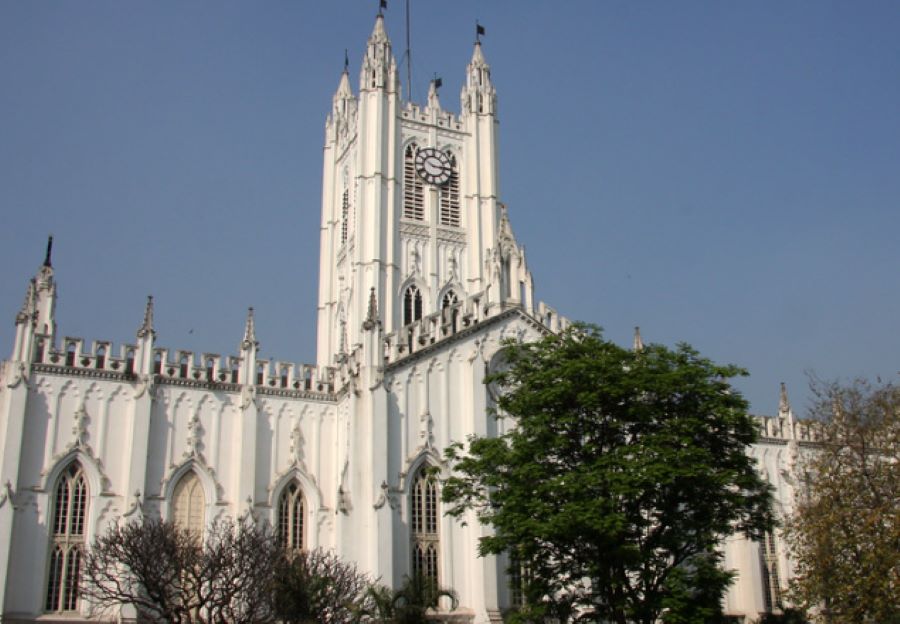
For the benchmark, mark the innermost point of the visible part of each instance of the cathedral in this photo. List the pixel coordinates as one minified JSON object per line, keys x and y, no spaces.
{"x":420,"y":280}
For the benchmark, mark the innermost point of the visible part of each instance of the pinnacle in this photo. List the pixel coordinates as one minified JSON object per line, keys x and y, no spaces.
{"x":379,"y":34}
{"x":344,"y":91}
{"x":146,"y":328}
{"x":249,"y":331}
{"x":478,"y":59}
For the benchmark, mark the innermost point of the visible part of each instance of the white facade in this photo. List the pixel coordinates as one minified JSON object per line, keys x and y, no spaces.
{"x":419,"y":283}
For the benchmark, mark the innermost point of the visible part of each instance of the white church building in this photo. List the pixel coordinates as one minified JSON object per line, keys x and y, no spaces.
{"x":420,"y":279}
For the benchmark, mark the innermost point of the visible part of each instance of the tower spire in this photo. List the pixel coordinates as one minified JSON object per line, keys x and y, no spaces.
{"x":638,"y":344}
{"x":379,"y":70}
{"x":478,"y":95}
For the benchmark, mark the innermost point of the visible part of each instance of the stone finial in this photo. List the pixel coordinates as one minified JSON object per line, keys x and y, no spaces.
{"x":249,"y":332}
{"x":146,"y":328}
{"x":638,"y":344}
{"x":372,"y":316}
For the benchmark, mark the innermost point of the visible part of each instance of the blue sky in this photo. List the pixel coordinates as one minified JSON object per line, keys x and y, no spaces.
{"x":725,"y":174}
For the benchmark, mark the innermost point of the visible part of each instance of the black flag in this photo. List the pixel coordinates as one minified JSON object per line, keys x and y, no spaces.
{"x":382,"y":4}
{"x":437,"y":83}
{"x":479,"y":30}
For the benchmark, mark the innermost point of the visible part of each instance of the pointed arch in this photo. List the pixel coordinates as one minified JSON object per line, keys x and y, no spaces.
{"x":449,"y":300}
{"x":68,"y":527}
{"x":310,"y":496}
{"x":96,"y":479}
{"x":205,"y":478}
{"x":189,"y":503}
{"x":290,"y":517}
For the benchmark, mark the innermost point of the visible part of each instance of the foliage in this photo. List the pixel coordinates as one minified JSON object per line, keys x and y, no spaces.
{"x":410,"y":603}
{"x":319,"y":587}
{"x":845,"y":531}
{"x":626,"y":468}
{"x":788,"y":616}
{"x":170,"y":575}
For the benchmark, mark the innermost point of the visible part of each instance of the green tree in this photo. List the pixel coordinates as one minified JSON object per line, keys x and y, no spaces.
{"x":844,"y":535}
{"x":623,"y":472}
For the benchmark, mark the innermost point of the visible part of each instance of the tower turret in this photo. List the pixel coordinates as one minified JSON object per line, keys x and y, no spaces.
{"x":45,"y":296}
{"x":478,"y":94}
{"x":36,"y":320}
{"x":379,"y":69}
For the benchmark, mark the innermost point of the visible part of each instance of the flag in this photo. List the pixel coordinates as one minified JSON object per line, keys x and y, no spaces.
{"x":479,"y":29}
{"x":437,"y":83}
{"x":382,"y":4}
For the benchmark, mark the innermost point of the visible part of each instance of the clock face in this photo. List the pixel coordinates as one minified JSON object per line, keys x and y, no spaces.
{"x":433,"y":166}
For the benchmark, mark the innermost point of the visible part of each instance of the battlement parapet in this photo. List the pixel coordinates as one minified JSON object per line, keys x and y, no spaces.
{"x":787,"y":429}
{"x":176,"y":366}
{"x":422,"y":114}
{"x":101,"y":357}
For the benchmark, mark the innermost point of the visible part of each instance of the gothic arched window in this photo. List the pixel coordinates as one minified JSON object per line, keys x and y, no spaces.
{"x":768,"y":562}
{"x":450,"y":197}
{"x":449,"y":311}
{"x":412,"y":305}
{"x":189,"y":504}
{"x":290,"y":517}
{"x":424,"y":523}
{"x":70,"y":506}
{"x":413,"y":189}
{"x":450,"y":299}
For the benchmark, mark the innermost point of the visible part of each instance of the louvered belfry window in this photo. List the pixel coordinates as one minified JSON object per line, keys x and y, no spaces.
{"x":70,"y":506}
{"x":413,"y":188}
{"x":290,"y":517}
{"x":450,"y":197}
{"x":345,"y":215}
{"x":424,"y":524}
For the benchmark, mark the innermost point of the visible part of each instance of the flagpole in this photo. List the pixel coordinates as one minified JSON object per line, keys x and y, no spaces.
{"x":408,"y":59}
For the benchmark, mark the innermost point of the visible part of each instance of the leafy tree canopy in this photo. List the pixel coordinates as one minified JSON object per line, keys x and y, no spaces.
{"x":621,"y":473}
{"x":845,"y":532}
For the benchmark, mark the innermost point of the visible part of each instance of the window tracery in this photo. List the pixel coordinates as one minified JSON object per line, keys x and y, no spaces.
{"x":412,"y":305}
{"x":290,"y":517}
{"x":424,"y":524}
{"x":70,"y":506}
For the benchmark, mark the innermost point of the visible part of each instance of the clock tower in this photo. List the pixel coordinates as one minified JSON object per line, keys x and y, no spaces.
{"x":411,"y":210}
